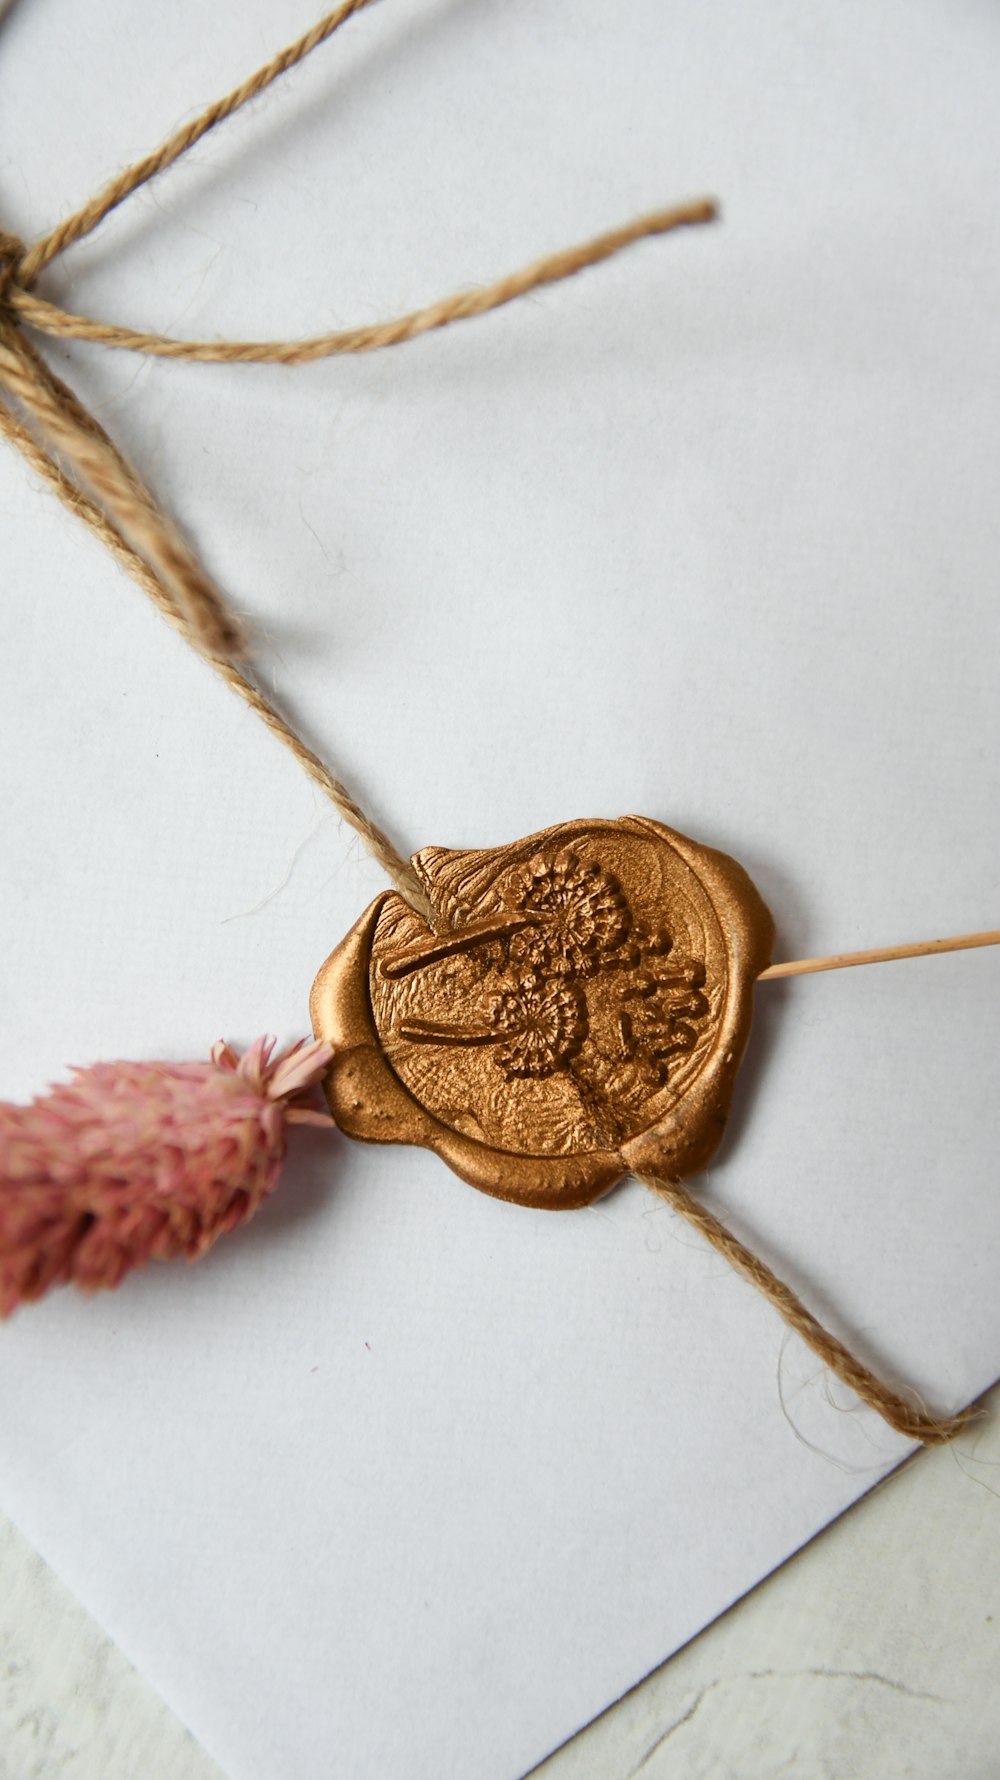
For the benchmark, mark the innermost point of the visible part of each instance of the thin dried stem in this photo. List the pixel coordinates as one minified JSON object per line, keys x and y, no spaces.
{"x":959,"y":942}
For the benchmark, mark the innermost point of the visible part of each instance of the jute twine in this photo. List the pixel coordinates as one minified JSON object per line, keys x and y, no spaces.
{"x":66,"y":445}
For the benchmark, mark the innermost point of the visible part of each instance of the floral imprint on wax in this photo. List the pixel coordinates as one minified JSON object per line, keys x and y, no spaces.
{"x":578,"y":1009}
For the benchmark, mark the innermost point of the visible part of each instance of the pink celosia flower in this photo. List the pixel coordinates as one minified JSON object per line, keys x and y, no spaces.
{"x":130,"y":1162}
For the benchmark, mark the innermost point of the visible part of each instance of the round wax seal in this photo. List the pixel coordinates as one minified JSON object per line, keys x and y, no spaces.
{"x":578,"y":1009}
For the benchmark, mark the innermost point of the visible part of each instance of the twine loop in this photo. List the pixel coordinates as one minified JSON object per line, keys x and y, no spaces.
{"x":64,"y":442}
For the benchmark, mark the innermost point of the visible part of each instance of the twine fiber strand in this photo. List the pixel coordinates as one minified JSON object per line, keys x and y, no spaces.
{"x":72,"y":451}
{"x":552,"y":268}
{"x":84,"y":220}
{"x":900,"y":1412}
{"x":71,"y":433}
{"x":84,"y":508}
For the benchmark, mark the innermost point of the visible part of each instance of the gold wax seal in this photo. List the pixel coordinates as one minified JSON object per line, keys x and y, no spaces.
{"x":578,"y":1010}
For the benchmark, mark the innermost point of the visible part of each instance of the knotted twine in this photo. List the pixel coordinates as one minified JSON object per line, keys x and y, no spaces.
{"x":67,"y":446}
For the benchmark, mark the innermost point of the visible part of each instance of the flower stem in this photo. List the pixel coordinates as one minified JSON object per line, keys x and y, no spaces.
{"x":429,"y":1032}
{"x":498,"y":927}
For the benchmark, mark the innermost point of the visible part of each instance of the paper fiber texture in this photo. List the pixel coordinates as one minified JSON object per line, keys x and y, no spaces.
{"x":709,"y":534}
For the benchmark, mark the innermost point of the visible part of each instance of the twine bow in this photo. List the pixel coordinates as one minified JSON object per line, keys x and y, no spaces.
{"x":64,"y":442}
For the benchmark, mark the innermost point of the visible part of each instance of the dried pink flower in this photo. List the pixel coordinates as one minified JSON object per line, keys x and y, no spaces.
{"x":131,"y":1162}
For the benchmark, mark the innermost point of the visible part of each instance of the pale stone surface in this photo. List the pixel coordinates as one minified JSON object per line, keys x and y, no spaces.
{"x":875,"y":1652}
{"x":70,"y":1704}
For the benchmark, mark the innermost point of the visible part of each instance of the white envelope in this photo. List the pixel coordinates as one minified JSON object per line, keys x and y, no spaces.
{"x":708,"y":534}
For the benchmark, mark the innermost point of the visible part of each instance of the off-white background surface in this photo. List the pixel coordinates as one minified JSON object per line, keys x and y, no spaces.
{"x":712,"y":534}
{"x":875,"y":1652}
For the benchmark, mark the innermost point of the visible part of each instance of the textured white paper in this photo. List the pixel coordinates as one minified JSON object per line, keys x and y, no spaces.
{"x":710,"y":534}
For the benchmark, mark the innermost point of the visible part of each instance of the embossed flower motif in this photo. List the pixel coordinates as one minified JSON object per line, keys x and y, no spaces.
{"x":563,"y":1140}
{"x":546,"y":1023}
{"x":578,"y":914}
{"x":665,"y":1005}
